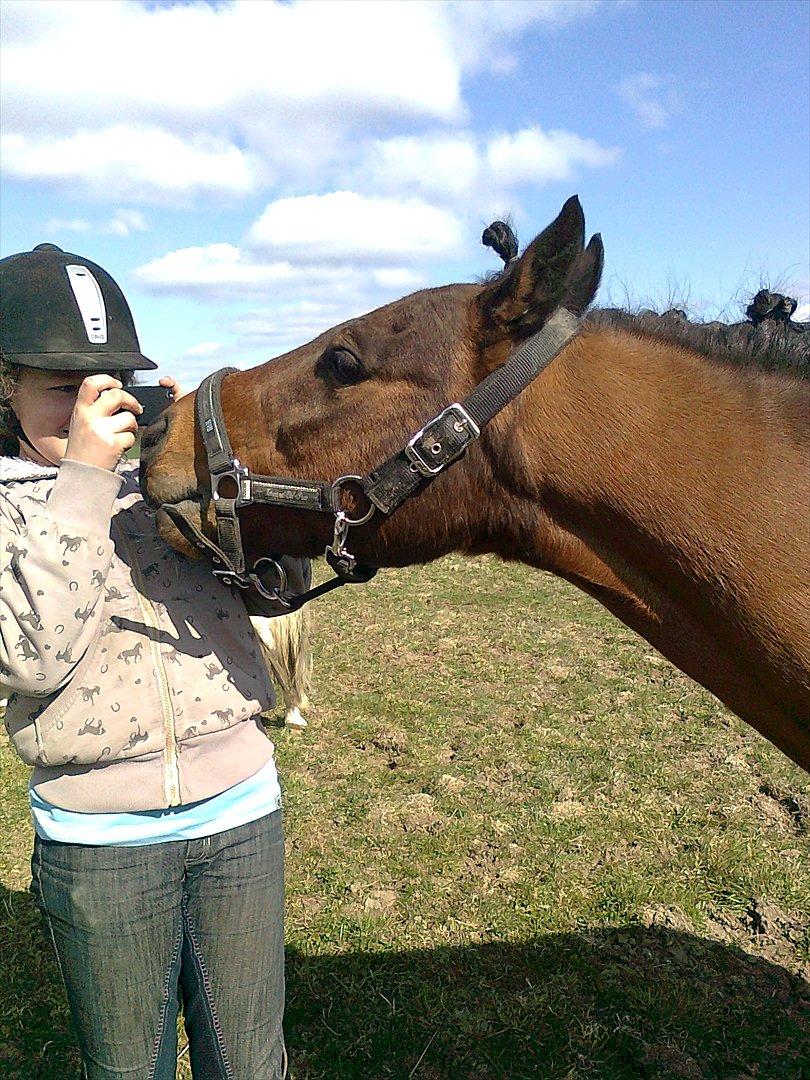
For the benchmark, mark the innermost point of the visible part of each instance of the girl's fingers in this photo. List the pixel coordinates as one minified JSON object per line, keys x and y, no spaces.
{"x":112,"y":400}
{"x":104,"y":422}
{"x":171,"y":384}
{"x":121,"y":421}
{"x":93,"y":386}
{"x":131,"y":403}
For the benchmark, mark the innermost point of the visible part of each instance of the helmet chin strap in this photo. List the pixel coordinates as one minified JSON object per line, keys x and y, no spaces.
{"x":23,"y":438}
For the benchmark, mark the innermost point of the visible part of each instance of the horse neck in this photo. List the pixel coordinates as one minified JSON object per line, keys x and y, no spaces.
{"x":686,"y":468}
{"x":681,"y":478}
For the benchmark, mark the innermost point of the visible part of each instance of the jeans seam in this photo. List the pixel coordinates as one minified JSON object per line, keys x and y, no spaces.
{"x":206,"y":985}
{"x":49,"y":924}
{"x":164,"y":1005}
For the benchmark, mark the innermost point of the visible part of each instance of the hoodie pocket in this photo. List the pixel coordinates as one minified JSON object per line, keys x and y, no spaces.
{"x":50,"y":721}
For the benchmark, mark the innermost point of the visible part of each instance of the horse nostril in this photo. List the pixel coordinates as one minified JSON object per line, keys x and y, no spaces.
{"x":153,"y":434}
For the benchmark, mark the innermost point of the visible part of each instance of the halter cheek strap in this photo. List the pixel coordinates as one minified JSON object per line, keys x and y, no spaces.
{"x":445,"y":438}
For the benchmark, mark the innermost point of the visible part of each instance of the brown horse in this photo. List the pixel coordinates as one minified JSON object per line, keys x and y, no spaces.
{"x":671,"y":487}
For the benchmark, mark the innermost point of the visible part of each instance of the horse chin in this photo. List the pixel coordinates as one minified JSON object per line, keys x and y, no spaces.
{"x":169,"y":532}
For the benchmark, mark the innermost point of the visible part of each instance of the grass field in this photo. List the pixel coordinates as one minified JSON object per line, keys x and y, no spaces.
{"x":520,"y":844}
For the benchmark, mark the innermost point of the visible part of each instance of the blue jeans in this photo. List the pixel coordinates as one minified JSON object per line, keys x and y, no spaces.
{"x":138,"y":928}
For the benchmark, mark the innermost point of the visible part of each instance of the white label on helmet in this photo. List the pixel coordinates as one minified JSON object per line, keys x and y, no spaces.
{"x":91,"y":303}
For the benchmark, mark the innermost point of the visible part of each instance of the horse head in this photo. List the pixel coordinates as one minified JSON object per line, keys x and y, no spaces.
{"x":346,"y":401}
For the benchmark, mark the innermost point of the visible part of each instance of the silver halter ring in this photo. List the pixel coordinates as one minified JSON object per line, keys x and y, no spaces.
{"x":269,"y":594}
{"x":342,"y":481}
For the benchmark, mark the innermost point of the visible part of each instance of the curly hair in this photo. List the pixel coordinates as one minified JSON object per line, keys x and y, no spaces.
{"x":9,"y":443}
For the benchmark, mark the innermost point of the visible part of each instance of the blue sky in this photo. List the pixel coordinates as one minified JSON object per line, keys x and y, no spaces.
{"x":253,"y":173}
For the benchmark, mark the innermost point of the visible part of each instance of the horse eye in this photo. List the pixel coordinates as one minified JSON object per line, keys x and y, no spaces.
{"x":345,"y":366}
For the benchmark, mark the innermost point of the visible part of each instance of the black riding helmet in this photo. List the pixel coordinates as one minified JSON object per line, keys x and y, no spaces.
{"x":61,"y":312}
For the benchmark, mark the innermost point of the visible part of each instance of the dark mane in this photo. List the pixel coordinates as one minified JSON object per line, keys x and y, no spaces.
{"x":770,"y":341}
{"x":770,"y":346}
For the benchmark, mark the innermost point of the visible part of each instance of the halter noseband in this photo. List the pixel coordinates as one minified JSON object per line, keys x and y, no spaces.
{"x":436,"y":446}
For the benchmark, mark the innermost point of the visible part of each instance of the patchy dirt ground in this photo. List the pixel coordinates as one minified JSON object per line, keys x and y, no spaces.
{"x":520,"y":845}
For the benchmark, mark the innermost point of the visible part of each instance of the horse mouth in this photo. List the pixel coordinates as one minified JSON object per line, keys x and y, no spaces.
{"x":158,"y":492}
{"x":191,"y":511}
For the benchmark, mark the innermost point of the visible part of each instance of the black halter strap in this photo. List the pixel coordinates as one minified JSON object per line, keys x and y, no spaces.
{"x":233,"y":486}
{"x":447,"y":436}
{"x":440,"y":443}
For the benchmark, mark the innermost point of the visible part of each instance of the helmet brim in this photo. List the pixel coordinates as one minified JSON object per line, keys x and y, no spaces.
{"x":75,"y":361}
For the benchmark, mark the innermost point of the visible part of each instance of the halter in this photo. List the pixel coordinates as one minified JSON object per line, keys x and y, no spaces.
{"x":436,"y":446}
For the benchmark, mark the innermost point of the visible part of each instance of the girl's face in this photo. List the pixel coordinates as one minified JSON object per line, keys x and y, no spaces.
{"x":43,"y":402}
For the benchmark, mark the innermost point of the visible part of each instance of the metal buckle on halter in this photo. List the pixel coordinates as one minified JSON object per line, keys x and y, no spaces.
{"x":240,"y":474}
{"x":464,"y":426}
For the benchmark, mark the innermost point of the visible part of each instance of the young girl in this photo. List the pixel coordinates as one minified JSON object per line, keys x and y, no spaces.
{"x":135,"y":690}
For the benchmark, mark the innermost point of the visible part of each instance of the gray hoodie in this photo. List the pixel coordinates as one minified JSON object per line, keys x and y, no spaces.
{"x":136,"y":680}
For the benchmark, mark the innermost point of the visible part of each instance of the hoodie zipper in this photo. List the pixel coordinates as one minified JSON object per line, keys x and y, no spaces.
{"x":171,"y":776}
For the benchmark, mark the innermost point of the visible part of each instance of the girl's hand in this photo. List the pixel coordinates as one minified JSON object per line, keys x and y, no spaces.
{"x":171,"y":384}
{"x":103,"y":424}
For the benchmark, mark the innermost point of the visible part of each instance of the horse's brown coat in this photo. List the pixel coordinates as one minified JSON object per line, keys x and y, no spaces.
{"x":672,"y":489}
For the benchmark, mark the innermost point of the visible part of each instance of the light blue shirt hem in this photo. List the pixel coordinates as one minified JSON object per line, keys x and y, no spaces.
{"x":247,"y":801}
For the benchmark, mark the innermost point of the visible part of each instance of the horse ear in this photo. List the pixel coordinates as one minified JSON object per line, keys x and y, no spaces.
{"x":520,"y":301}
{"x":584,"y":277}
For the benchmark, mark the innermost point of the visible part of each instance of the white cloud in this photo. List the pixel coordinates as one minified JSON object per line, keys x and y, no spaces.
{"x":398,"y":278}
{"x":134,"y":163}
{"x":190,"y":366}
{"x":443,"y":166}
{"x":533,"y":156}
{"x":364,"y":276}
{"x":234,"y":95}
{"x":212,"y":270}
{"x":287,"y":325}
{"x":125,"y":222}
{"x":651,"y":97}
{"x":480,"y":32}
{"x":802,"y":313}
{"x":205,"y":348}
{"x":346,"y":227}
{"x":61,"y":225}
{"x":226,"y":86}
{"x":122,"y":223}
{"x":262,"y":333}
{"x":207,"y":59}
{"x":224,"y":272}
{"x":458,"y":169}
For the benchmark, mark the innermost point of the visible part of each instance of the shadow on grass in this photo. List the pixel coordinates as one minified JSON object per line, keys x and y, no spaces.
{"x":613,"y":1005}
{"x":35,"y":1036}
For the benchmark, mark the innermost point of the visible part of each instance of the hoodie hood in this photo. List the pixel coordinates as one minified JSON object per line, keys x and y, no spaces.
{"x":17,"y":469}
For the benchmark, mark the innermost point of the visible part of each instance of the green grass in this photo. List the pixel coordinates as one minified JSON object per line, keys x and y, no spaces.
{"x":520,"y":844}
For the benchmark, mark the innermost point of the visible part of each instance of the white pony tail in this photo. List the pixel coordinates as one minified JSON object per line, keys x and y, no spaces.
{"x":287,"y":649}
